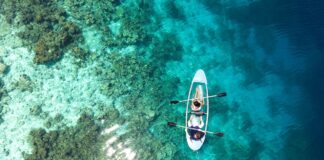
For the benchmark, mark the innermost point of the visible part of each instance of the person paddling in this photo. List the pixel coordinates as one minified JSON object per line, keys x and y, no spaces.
{"x":195,"y":134}
{"x":195,"y":122}
{"x":198,"y":101}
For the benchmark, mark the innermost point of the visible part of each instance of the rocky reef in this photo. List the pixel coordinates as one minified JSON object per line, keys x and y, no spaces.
{"x":135,"y":80}
{"x":46,"y":28}
{"x":119,"y":25}
{"x":129,"y":72}
{"x":79,"y":142}
{"x":144,"y":87}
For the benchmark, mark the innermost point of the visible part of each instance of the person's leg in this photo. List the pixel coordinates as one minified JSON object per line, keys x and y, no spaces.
{"x":199,"y":95}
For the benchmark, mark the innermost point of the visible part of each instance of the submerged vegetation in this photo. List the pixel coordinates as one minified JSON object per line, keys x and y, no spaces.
{"x":137,"y":79}
{"x":46,"y":28}
{"x":72,"y":143}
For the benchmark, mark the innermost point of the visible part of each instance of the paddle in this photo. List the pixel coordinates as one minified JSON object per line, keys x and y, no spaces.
{"x":172,"y":124}
{"x":223,"y":94}
{"x":198,"y":113}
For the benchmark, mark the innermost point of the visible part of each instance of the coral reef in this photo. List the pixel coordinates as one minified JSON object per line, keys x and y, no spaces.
{"x":36,"y":110}
{"x":79,"y":53}
{"x":128,"y":72}
{"x":55,"y":121}
{"x":152,"y":149}
{"x":3,"y":68}
{"x":110,"y":114}
{"x":101,"y":14}
{"x":97,"y":13}
{"x":24,"y":83}
{"x":138,"y":78}
{"x":132,"y":31}
{"x":143,"y":85}
{"x":167,"y":48}
{"x":49,"y":46}
{"x":72,"y":143}
{"x":47,"y":29}
{"x":45,"y":51}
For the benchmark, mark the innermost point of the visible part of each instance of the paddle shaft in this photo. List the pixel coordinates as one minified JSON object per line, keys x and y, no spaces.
{"x":195,"y":129}
{"x":216,"y":95}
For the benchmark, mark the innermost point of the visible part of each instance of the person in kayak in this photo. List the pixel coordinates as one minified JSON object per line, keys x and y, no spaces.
{"x":196,"y":121}
{"x":196,"y":105}
{"x":195,"y":134}
{"x":198,"y":101}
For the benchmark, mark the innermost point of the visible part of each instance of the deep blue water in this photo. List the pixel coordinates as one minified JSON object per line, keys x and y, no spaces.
{"x":301,"y":22}
{"x":301,"y":62}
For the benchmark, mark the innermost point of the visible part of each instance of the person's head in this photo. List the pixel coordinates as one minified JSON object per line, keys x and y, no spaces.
{"x":196,"y":103}
{"x":198,"y":135}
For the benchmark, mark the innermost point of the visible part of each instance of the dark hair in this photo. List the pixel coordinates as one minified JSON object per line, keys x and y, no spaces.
{"x":196,"y":103}
{"x":199,"y":135}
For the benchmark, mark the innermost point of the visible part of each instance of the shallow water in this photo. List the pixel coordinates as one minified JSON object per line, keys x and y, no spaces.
{"x":126,"y":59}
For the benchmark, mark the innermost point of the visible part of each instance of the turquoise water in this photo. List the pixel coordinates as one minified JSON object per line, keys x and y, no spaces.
{"x":93,"y":79}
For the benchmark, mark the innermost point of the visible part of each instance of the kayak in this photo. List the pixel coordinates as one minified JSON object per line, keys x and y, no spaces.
{"x":195,"y":121}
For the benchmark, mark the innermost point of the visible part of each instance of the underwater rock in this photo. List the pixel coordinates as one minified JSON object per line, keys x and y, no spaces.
{"x":49,"y":47}
{"x":54,"y":122}
{"x":108,"y":113}
{"x":48,"y":124}
{"x":47,"y":29}
{"x":35,"y":110}
{"x":44,"y":52}
{"x":128,"y":72}
{"x":152,"y":149}
{"x":58,"y":118}
{"x":3,"y":68}
{"x":166,"y":152}
{"x":132,"y":31}
{"x":71,"y":143}
{"x":79,"y":53}
{"x":24,"y":83}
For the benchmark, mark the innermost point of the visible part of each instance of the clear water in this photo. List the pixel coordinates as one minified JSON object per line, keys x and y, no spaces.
{"x":266,"y":54}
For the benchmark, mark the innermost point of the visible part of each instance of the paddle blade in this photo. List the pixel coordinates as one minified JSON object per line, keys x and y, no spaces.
{"x":221,"y":94}
{"x":219,"y":134}
{"x":174,"y":102}
{"x":172,"y":124}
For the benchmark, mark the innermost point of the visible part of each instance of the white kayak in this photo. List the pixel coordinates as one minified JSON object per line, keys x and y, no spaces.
{"x":198,"y":90}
